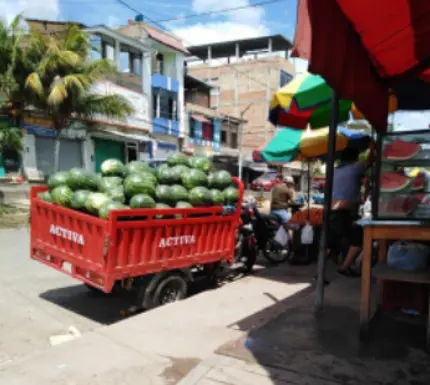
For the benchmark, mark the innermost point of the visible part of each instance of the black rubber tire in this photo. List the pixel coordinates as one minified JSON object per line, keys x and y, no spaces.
{"x":171,"y":288}
{"x":274,"y":252}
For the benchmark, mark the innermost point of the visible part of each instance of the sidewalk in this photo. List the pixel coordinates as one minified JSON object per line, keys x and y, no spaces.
{"x":163,"y":345}
{"x":298,"y":348}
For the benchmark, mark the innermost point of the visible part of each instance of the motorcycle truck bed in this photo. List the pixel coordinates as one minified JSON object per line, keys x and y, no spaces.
{"x":131,"y":243}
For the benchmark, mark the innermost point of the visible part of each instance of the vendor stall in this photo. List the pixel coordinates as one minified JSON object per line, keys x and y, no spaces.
{"x":370,"y":52}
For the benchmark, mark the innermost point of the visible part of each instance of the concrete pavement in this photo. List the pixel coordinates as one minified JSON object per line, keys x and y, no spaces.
{"x":161,"y":345}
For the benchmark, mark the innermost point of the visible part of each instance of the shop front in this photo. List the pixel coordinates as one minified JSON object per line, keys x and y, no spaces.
{"x":39,"y":145}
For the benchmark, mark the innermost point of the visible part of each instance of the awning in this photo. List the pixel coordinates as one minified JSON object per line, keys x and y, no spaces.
{"x":200,"y":118}
{"x":126,"y":135}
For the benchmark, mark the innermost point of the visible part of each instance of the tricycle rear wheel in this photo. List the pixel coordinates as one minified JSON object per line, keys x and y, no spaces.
{"x":170,"y":289}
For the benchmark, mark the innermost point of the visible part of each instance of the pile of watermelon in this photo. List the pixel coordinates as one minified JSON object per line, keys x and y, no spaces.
{"x":182,"y":182}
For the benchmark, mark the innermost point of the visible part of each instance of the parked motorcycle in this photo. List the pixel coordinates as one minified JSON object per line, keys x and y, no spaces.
{"x":246,"y":245}
{"x":264,"y":228}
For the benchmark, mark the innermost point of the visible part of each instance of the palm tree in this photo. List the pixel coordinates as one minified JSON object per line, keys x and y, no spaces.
{"x":61,"y":84}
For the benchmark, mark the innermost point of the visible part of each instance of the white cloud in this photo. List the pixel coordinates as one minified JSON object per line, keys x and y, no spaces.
{"x":38,"y":9}
{"x":240,"y":24}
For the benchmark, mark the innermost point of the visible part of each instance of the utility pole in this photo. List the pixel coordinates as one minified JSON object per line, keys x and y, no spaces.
{"x":268,"y":98}
{"x":241,"y":127}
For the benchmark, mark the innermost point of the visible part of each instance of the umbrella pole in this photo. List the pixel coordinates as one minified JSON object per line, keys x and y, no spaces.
{"x":319,"y":301}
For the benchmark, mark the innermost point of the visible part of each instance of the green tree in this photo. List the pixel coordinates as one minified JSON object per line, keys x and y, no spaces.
{"x":61,"y":84}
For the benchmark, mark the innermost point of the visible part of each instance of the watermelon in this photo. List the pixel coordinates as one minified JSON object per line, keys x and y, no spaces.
{"x":179,"y":193}
{"x":150,"y":177}
{"x":112,"y":167}
{"x":107,"y":183}
{"x":137,"y":184}
{"x":142,"y":201}
{"x":393,"y":182}
{"x":182,"y":205}
{"x":164,"y":194}
{"x":176,"y":159}
{"x":400,"y":150}
{"x":231,"y":195}
{"x":191,"y":161}
{"x":108,"y":206}
{"x":177,"y":172}
{"x":45,"y":196}
{"x":137,"y":167}
{"x":211,"y":177}
{"x":399,"y":205}
{"x":61,"y":195}
{"x":200,"y":196}
{"x":117,"y":194}
{"x":80,"y":179}
{"x":194,"y":178}
{"x":60,"y":178}
{"x":222,"y":179}
{"x":203,"y":164}
{"x":164,"y":175}
{"x":418,"y":183}
{"x":217,"y":197}
{"x":161,"y":206}
{"x":95,"y":201}
{"x":78,"y":199}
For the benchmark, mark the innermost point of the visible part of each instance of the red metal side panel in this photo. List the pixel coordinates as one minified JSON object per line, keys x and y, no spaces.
{"x":69,"y":241}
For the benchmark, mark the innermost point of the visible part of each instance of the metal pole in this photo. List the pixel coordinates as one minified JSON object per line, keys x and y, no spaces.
{"x":319,"y":301}
{"x":241,"y":127}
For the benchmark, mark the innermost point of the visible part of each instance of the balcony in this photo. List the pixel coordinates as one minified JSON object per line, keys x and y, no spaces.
{"x":128,"y":80}
{"x":164,"y":82}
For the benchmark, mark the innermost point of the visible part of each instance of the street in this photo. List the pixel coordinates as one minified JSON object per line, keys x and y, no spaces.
{"x":38,"y":302}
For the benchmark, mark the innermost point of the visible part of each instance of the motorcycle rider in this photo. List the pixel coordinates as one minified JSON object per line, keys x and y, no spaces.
{"x":283,"y":196}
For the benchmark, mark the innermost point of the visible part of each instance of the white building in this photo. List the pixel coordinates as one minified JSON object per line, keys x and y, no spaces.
{"x":88,"y":143}
{"x":166,"y":86}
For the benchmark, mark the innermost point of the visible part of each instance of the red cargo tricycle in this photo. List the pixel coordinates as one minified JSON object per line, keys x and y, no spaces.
{"x":159,"y":252}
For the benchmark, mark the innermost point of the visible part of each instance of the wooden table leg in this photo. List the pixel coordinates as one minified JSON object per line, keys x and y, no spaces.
{"x":382,"y":259}
{"x":366,"y":282}
{"x":428,"y":328}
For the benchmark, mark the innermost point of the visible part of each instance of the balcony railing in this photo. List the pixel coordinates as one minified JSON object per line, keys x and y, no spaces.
{"x":128,"y":80}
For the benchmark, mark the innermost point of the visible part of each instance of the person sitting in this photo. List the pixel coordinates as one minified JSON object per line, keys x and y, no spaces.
{"x":283,"y":195}
{"x":346,"y":200}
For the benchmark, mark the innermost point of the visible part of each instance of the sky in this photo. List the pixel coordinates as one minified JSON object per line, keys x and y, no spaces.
{"x":276,"y":18}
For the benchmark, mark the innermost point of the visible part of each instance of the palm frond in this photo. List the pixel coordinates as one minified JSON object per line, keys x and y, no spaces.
{"x":57,"y":93}
{"x":100,"y":69}
{"x":114,"y":106}
{"x":34,"y":83}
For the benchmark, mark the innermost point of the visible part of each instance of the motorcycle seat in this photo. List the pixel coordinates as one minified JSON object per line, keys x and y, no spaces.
{"x":270,"y":217}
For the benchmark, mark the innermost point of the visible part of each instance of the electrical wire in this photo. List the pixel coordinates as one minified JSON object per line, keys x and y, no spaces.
{"x":223,"y":10}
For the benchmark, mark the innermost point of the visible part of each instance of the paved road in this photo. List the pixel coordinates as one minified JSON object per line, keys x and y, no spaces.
{"x":37,"y":302}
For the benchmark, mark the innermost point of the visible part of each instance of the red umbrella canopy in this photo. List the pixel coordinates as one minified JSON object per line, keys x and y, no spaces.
{"x":362,"y":48}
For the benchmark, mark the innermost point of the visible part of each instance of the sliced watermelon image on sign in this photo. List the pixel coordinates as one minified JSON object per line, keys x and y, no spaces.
{"x":418,"y":183}
{"x":400,"y":150}
{"x":392,"y":182}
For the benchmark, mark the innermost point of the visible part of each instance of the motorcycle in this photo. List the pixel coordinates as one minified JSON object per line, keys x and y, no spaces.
{"x":246,"y":246}
{"x":264,"y":228}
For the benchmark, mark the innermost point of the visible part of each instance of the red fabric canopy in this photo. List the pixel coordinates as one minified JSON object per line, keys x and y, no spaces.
{"x":352,"y":44}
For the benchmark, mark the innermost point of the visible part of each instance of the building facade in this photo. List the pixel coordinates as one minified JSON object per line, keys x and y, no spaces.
{"x":166,"y":65}
{"x":87,"y":143}
{"x":246,"y":73}
{"x":208,"y":132}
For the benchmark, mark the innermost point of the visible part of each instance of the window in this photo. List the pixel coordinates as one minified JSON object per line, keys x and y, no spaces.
{"x":108,"y":51}
{"x":192,"y":129}
{"x":223,"y":137}
{"x":131,"y":152}
{"x":124,"y":61}
{"x":164,"y":104}
{"x":207,"y":131}
{"x":233,"y":143}
{"x":159,"y":64}
{"x":136,"y":64}
{"x":284,"y":78}
{"x":96,"y":47}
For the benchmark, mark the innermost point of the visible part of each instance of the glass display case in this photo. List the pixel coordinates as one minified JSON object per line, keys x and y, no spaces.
{"x":402,"y":175}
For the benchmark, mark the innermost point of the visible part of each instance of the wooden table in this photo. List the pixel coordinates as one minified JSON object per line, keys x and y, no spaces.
{"x":384,"y":231}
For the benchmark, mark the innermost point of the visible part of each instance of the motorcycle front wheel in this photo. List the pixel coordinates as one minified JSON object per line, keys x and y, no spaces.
{"x":274,"y":252}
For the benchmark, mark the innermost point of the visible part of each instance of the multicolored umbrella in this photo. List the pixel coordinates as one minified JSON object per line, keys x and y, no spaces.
{"x":290,"y":144}
{"x":306,"y":100}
